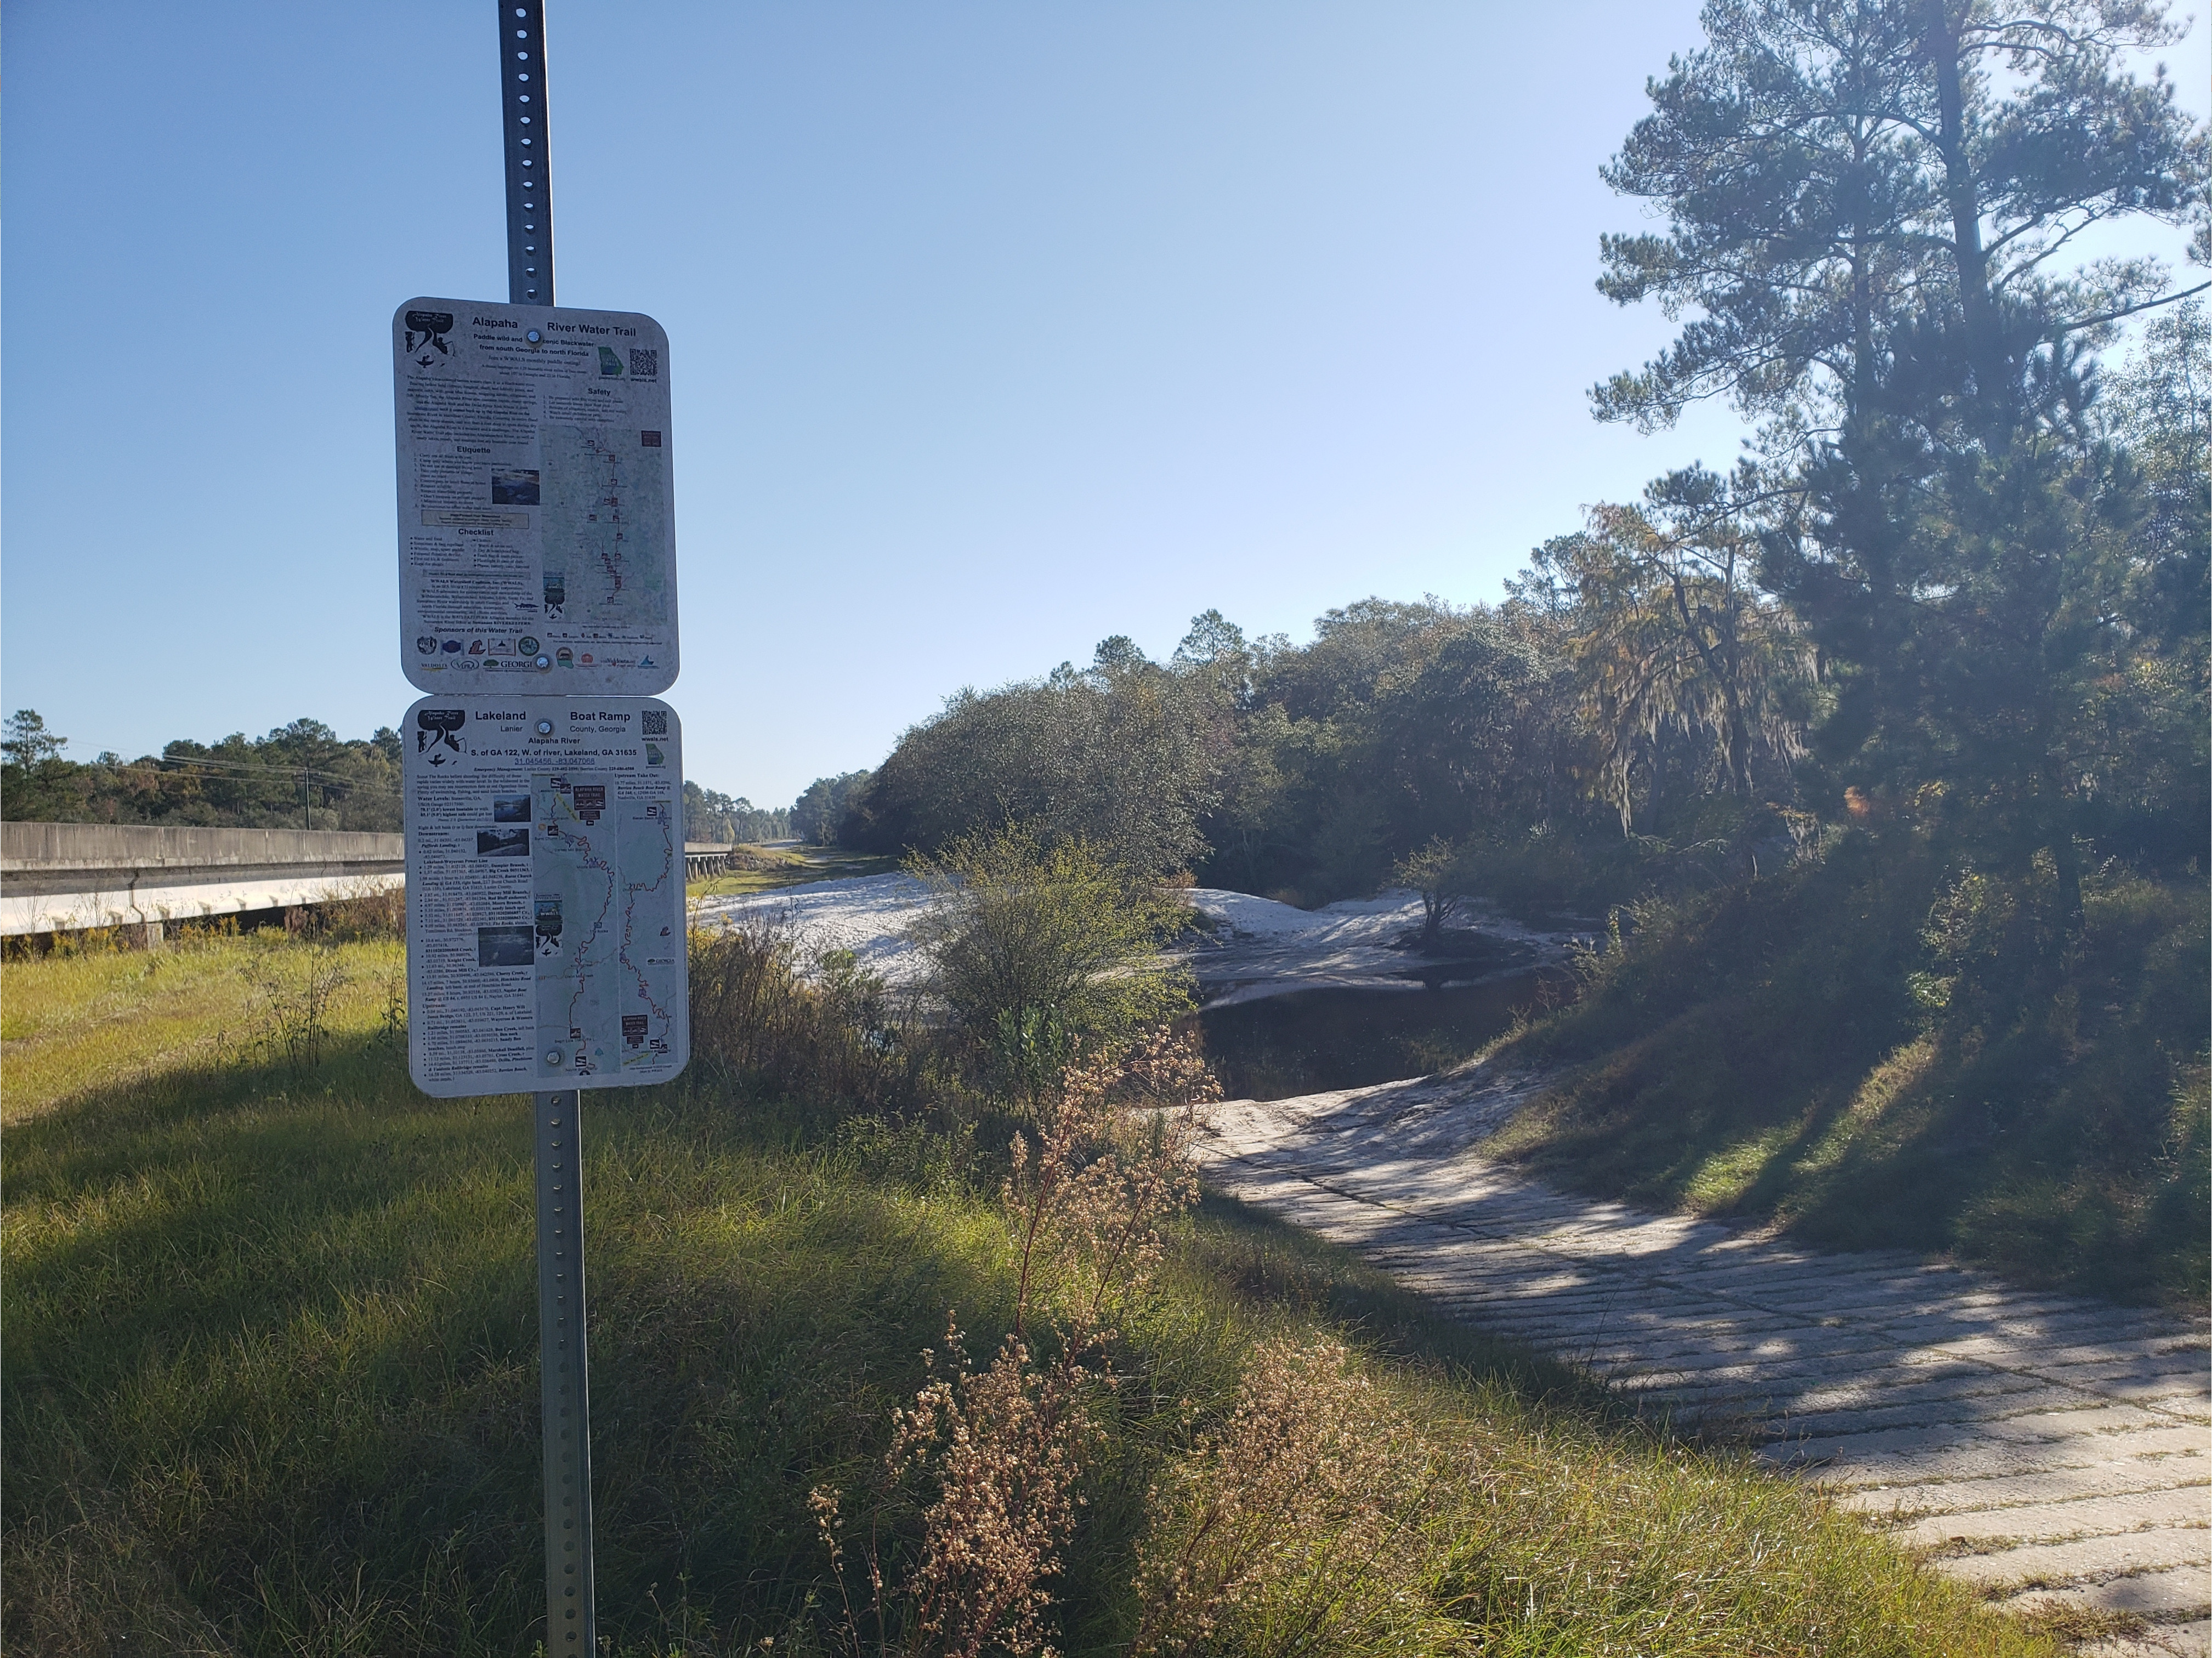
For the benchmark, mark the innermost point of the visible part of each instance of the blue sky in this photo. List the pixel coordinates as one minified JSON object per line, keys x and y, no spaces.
{"x":994,"y":329}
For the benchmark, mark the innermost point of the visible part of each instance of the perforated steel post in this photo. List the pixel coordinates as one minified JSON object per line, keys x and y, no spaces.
{"x":571,"y":1626}
{"x":529,"y":161}
{"x":565,"y":1386}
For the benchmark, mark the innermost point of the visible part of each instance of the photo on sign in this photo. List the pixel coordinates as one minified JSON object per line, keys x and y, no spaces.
{"x":515,"y":489}
{"x":504,"y":843}
{"x":510,"y":809}
{"x":504,"y":947}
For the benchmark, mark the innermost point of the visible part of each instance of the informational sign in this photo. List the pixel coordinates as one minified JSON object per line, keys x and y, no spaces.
{"x":545,"y":917}
{"x":537,"y":527}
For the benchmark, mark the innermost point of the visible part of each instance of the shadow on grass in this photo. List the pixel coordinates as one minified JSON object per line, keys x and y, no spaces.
{"x":270,"y":1379}
{"x":271,"y":1369}
{"x":1747,"y":1059}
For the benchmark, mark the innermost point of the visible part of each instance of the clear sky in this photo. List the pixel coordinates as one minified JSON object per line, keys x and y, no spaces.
{"x":996,"y":329}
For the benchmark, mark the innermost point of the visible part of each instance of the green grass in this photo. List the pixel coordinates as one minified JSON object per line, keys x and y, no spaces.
{"x":776,"y":867}
{"x":1815,"y":1052}
{"x":270,"y":1374}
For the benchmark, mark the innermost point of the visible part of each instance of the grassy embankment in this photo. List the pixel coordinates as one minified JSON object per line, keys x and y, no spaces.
{"x":270,"y":1374}
{"x":766,"y":869}
{"x":1866,"y":1059}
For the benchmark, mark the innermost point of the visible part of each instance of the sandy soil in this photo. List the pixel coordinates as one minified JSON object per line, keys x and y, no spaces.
{"x":1257,"y":947}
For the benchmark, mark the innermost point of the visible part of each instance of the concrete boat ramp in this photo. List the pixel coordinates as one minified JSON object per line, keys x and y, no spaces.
{"x":2042,"y":1448}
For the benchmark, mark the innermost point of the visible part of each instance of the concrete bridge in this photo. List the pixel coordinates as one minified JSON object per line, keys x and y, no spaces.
{"x":62,"y":877}
{"x":704,"y":858}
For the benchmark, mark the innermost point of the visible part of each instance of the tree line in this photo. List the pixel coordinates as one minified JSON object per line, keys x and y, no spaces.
{"x":1954,"y":589}
{"x":301,"y":775}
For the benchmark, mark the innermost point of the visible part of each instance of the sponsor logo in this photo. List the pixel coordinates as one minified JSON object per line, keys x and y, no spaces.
{"x":426,"y":645}
{"x":564,"y":658}
{"x":610,"y":364}
{"x":451,"y":646}
{"x":587,"y":658}
{"x":476,"y":648}
{"x":501,"y":646}
{"x":646,"y":662}
{"x":527,"y":644}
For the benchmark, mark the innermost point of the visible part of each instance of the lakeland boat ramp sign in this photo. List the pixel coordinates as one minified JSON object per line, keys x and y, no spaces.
{"x":537,"y":529}
{"x":545,"y":916}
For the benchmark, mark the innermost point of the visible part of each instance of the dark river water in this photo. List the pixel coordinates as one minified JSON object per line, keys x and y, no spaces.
{"x":1313,"y":1040}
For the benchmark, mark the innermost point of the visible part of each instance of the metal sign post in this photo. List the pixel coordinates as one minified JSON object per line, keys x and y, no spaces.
{"x":529,"y":163}
{"x":542,"y":783}
{"x":571,"y":1623}
{"x":564,"y":1357}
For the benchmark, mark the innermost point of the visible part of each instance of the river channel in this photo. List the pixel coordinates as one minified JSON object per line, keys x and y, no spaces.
{"x":1308,"y":1041}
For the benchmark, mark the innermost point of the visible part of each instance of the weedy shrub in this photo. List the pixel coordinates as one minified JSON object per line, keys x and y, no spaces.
{"x":1888,"y":1046}
{"x":1295,"y":1526}
{"x":1042,"y":949}
{"x":998,"y":1453}
{"x":292,"y":987}
{"x":357,"y":912}
{"x":832,"y":1037}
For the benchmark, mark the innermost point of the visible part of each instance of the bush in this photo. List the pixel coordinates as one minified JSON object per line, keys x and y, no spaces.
{"x":1037,"y":948}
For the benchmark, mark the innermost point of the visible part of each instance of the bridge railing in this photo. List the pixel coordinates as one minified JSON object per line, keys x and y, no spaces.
{"x":61,"y":877}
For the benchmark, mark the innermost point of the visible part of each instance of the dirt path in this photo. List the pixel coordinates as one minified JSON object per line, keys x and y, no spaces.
{"x":2046,"y":1448}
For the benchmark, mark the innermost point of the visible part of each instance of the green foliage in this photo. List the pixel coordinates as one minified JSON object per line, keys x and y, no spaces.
{"x":709,"y":815}
{"x":270,"y":1377}
{"x":1040,"y":948}
{"x":1876,"y":1054}
{"x":819,"y":815}
{"x":1123,"y":755}
{"x":301,"y":775}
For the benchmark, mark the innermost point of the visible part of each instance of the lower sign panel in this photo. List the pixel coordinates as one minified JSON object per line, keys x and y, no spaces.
{"x":545,"y":919}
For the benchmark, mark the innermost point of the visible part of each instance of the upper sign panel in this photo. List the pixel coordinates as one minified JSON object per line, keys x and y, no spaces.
{"x":536,"y":518}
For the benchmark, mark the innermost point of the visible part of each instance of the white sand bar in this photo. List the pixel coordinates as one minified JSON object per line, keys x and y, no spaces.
{"x":2042,"y":1448}
{"x":1257,"y":946}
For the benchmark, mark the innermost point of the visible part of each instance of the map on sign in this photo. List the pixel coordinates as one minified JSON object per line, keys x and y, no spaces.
{"x":537,"y":535}
{"x":605,"y":509}
{"x":609,"y":967}
{"x":545,"y":918}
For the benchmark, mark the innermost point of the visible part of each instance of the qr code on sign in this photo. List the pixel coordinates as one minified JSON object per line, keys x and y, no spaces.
{"x":645,"y":363}
{"x":656,"y":722}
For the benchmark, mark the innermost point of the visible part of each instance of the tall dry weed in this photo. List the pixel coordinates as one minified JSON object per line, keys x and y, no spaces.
{"x":1002,"y":1451}
{"x":804,"y":1028}
{"x":292,"y":986}
{"x":1296,"y":1524}
{"x":1111,"y":1160}
{"x":1004,"y":1448}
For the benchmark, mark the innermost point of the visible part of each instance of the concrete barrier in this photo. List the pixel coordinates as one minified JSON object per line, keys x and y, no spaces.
{"x":59,"y":878}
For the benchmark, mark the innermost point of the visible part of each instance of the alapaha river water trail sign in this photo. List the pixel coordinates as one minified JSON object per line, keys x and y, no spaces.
{"x":537,"y":528}
{"x":543,"y":785}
